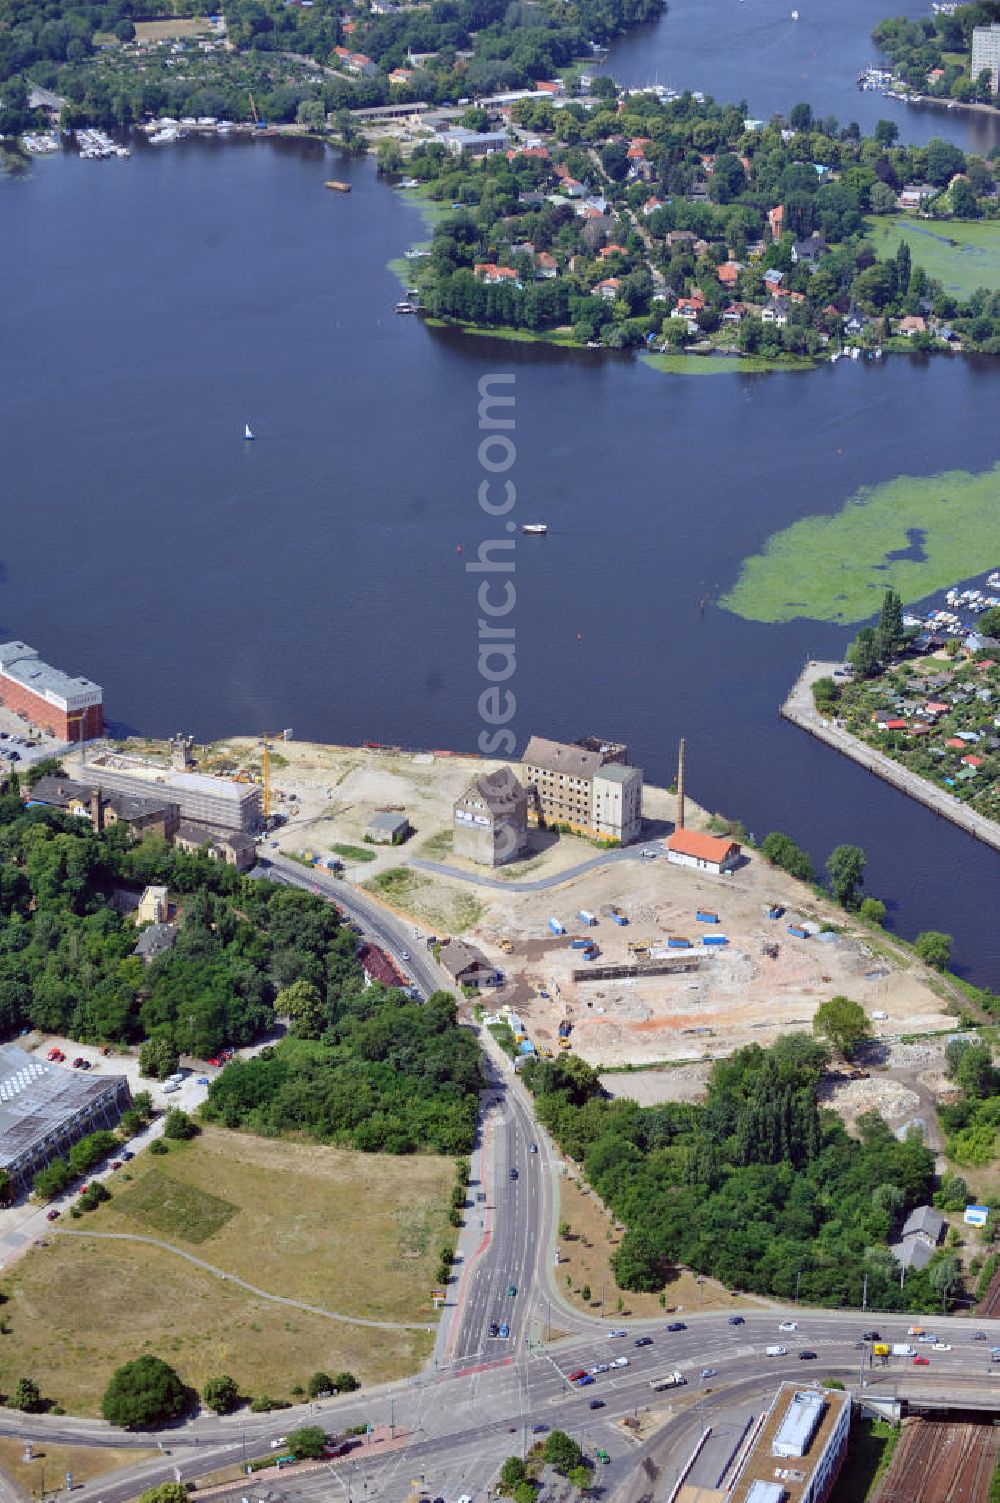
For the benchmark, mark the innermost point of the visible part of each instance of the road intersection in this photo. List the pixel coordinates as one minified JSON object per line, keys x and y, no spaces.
{"x":446,"y":1430}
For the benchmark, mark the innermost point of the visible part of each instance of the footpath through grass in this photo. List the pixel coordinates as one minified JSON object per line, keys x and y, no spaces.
{"x":356,"y":1233}
{"x":962,"y":254}
{"x":917,"y":534}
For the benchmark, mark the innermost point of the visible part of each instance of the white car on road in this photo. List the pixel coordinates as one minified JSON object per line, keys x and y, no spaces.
{"x":620,"y":1362}
{"x":941,"y":1346}
{"x":789,"y":1325}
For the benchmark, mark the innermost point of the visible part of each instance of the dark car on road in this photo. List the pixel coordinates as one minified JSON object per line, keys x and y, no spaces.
{"x":644,"y":1341}
{"x":676,"y":1325}
{"x":871,"y":1336}
{"x":596,"y":1404}
{"x":513,"y":1174}
{"x":737,"y":1320}
{"x":494,"y":1328}
{"x":806,"y":1356}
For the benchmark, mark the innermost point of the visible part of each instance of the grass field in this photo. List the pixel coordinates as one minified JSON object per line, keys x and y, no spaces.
{"x":354,"y":852}
{"x":917,"y":533}
{"x":962,"y":254}
{"x":355,"y":1233}
{"x":86,"y":1463}
{"x":172,"y":1209}
{"x":161,"y":31}
{"x":423,"y":898}
{"x":439,"y":846}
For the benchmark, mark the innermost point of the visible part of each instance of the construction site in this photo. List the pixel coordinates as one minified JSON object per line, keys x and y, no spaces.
{"x":670,"y":963}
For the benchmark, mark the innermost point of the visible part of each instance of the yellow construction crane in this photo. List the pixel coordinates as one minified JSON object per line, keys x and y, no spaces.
{"x":266,"y":737}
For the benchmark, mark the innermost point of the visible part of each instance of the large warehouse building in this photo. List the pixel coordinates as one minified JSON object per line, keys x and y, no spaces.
{"x":586,"y":785}
{"x":45,"y":1109}
{"x":70,"y":708}
{"x":205,"y":800}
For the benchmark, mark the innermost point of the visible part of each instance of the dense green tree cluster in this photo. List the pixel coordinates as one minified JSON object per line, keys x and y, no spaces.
{"x":66,"y":956}
{"x":57,"y":44}
{"x":928,"y":46}
{"x":972,"y":1123}
{"x":363,"y":1066}
{"x":715,"y":182}
{"x":756,"y":1188}
{"x":386,"y":1076}
{"x":145,"y":1392}
{"x":55,"y":1177}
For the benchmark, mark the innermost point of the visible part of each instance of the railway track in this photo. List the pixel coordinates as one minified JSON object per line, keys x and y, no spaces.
{"x":937,"y":1462}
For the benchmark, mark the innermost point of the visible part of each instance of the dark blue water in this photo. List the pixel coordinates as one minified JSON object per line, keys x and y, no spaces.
{"x":753,"y":50}
{"x":312,"y":579}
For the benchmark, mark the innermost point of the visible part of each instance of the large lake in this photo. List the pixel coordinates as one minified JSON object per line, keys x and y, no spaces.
{"x":313,"y":579}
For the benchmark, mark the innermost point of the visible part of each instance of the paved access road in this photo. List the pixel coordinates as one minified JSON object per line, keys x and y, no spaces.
{"x":393,"y":934}
{"x":483,"y":1398}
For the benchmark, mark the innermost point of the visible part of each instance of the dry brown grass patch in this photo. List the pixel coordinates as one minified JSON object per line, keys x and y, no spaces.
{"x":585,"y":1258}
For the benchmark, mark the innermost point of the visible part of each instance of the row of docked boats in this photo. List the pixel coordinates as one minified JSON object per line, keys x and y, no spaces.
{"x":40,"y":143}
{"x":97,"y":146}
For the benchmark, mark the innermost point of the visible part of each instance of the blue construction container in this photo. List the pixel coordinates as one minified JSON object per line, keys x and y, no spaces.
{"x":556,"y":927}
{"x":586,"y":917}
{"x":702,"y":916}
{"x":619,"y":918}
{"x":797,"y":932}
{"x":678,"y":944}
{"x":714,"y":939}
{"x":580,"y":944}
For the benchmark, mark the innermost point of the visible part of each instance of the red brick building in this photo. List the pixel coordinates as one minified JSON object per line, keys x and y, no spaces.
{"x":70,"y":708}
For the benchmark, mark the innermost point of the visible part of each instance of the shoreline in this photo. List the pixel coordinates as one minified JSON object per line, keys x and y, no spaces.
{"x":799,"y":709}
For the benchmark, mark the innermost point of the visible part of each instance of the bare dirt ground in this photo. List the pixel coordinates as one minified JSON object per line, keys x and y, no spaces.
{"x":736,"y":995}
{"x":659,"y":1084}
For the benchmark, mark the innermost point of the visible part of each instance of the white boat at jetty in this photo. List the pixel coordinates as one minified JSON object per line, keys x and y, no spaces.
{"x":537,"y":529}
{"x":39,"y":143}
{"x":247,"y":432}
{"x":96,"y":145}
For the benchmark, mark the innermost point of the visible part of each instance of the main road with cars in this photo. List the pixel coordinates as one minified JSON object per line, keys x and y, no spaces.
{"x":498,"y":1380}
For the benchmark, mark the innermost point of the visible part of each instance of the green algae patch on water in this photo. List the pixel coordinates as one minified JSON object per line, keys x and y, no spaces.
{"x":725,"y":365}
{"x":917,"y":534}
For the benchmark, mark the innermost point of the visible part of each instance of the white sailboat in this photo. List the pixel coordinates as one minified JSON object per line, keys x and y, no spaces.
{"x":247,"y":431}
{"x":537,"y":529}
